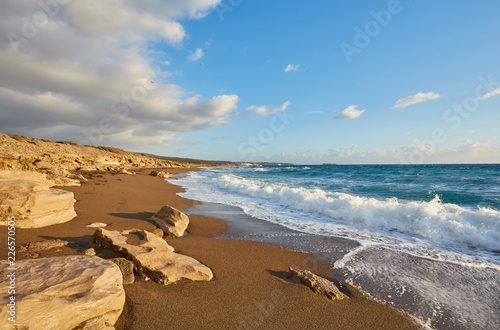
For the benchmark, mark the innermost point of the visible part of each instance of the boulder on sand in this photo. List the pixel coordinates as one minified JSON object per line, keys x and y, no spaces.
{"x":63,"y":293}
{"x":161,"y":174}
{"x":316,"y":283}
{"x":153,"y":257}
{"x":172,"y":221}
{"x":34,"y":204}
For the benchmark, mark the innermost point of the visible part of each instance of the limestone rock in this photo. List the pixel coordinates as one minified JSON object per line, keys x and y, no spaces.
{"x":64,"y":293}
{"x":43,"y":245}
{"x":172,"y":221}
{"x":161,"y":174}
{"x":317,"y":284}
{"x":158,"y":232}
{"x":34,"y":204}
{"x":153,"y":257}
{"x":80,"y":178}
{"x":97,"y":225}
{"x":27,"y":175}
{"x":43,"y":165}
{"x":89,"y":252}
{"x":124,"y":171}
{"x":127,"y":269}
{"x":62,"y":177}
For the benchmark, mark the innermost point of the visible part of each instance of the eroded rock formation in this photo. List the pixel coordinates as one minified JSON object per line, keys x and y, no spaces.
{"x":316,"y":283}
{"x":34,"y":204}
{"x":153,"y":257}
{"x":172,"y":221}
{"x":64,"y":293}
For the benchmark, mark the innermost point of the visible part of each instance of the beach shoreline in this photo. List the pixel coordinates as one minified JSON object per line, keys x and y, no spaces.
{"x":249,"y":289}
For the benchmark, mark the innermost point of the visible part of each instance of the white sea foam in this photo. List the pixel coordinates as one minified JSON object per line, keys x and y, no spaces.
{"x":431,"y":220}
{"x":433,"y":230}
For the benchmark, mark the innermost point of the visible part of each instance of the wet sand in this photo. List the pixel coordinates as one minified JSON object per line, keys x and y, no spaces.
{"x":249,"y":289}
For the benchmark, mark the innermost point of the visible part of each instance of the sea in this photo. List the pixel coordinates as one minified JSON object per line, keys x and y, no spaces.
{"x":423,"y":238}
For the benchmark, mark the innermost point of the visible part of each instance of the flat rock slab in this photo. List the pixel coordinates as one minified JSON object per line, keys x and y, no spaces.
{"x":34,"y":204}
{"x":43,"y":245}
{"x":97,"y":225}
{"x":317,"y":284}
{"x":63,"y":293}
{"x":172,"y":221}
{"x":153,"y":257}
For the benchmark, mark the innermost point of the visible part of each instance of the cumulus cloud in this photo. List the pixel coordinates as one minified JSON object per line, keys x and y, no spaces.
{"x":490,"y":94}
{"x":351,"y":112}
{"x":414,"y":99}
{"x":292,"y":67}
{"x":85,"y":74}
{"x":265,"y":111}
{"x":196,"y":55}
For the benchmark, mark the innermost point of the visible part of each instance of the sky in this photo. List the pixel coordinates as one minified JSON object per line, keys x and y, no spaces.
{"x":307,"y":82}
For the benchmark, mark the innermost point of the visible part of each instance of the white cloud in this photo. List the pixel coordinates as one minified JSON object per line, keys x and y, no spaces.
{"x":351,"y":113}
{"x":407,"y":133}
{"x":196,"y":55}
{"x":265,"y":111}
{"x":89,"y":65}
{"x":292,"y":67}
{"x":490,"y":94}
{"x":414,"y":99}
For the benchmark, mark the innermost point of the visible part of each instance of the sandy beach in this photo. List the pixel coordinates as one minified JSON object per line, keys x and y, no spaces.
{"x":249,"y":290}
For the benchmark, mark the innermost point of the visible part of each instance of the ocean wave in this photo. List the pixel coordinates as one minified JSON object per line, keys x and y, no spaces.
{"x":430,"y":220}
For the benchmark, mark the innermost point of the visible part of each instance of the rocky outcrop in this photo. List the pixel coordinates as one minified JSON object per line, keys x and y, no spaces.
{"x":153,"y":257}
{"x":63,"y":293}
{"x":26,"y":175}
{"x":172,"y":221}
{"x":317,"y":284}
{"x":56,"y":159}
{"x":161,"y":174}
{"x":34,"y":204}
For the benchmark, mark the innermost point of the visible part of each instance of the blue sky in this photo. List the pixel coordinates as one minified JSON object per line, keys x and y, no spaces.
{"x":285,"y":81}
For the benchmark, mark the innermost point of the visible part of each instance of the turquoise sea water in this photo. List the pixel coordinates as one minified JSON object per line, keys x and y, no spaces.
{"x":446,"y":217}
